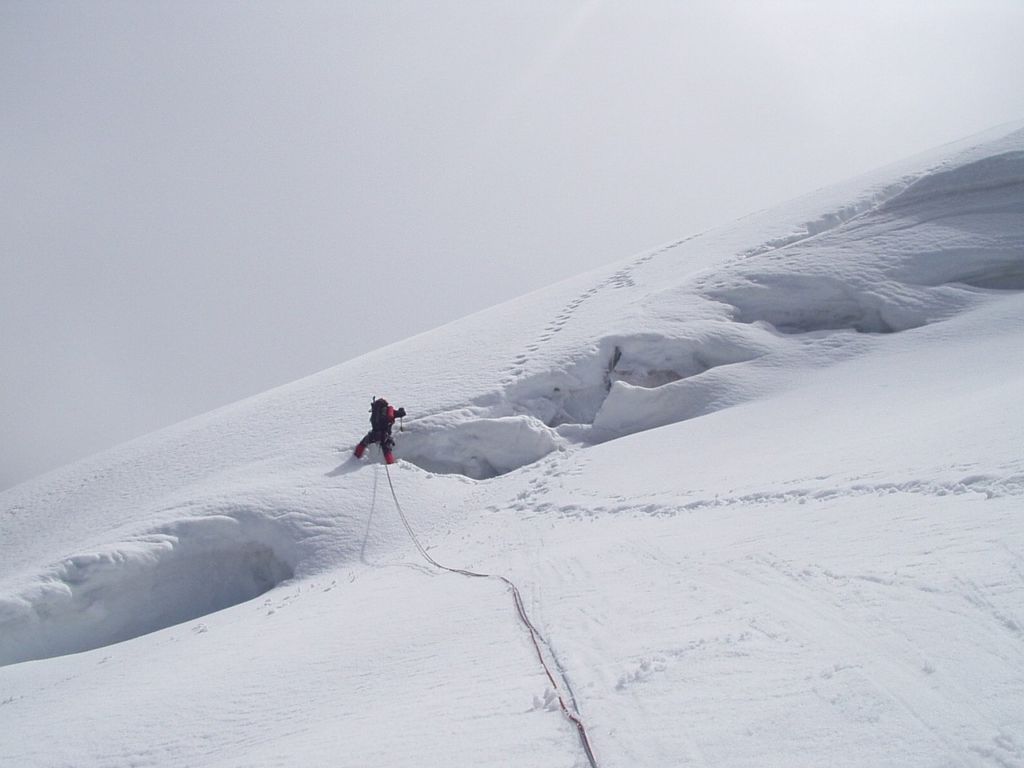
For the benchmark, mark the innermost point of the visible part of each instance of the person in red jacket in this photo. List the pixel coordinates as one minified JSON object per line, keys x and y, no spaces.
{"x":382,"y":418}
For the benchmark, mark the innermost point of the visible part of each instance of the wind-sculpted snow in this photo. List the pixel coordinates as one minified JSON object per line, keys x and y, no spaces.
{"x":760,"y":489}
{"x":625,"y":384}
{"x":795,"y":303}
{"x":181,"y":572}
{"x":973,"y":217}
{"x":832,"y":219}
{"x":912,"y":252}
{"x":964,"y":189}
{"x":910,"y":261}
{"x":478,"y":448}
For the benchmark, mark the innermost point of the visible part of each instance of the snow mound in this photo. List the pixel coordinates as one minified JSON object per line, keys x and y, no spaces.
{"x":577,"y":394}
{"x":623,"y":384}
{"x":477,"y":448}
{"x":910,"y":253}
{"x":948,"y":189}
{"x":183,"y":571}
{"x":630,"y":383}
{"x":979,"y":208}
{"x":899,"y":266}
{"x":832,"y":219}
{"x":806,"y":303}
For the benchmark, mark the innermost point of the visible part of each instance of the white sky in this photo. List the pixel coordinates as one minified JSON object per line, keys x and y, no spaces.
{"x":203,"y":200}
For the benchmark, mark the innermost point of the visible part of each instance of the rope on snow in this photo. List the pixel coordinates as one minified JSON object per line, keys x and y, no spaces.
{"x":570,"y":712}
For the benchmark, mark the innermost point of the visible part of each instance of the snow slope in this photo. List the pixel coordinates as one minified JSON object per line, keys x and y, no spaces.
{"x":760,"y":490}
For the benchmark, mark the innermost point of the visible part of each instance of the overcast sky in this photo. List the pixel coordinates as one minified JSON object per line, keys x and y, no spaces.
{"x":202,"y":200}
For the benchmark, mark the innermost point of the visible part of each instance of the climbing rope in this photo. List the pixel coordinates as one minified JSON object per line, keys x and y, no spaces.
{"x":570,"y":712}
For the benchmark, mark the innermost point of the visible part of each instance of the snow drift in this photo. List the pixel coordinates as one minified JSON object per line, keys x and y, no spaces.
{"x":184,"y":571}
{"x":760,"y":489}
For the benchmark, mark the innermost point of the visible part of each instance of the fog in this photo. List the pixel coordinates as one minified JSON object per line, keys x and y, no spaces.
{"x":205,"y":200}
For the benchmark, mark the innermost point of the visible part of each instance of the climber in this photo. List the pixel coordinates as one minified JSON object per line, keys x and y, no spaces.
{"x":382,"y":417}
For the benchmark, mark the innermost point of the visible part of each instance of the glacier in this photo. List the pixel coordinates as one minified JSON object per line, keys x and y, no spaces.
{"x":760,"y":489}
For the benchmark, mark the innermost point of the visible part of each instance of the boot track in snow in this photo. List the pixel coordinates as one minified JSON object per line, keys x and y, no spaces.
{"x":570,"y":708}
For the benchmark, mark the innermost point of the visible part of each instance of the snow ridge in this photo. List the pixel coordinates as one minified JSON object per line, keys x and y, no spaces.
{"x":625,"y":383}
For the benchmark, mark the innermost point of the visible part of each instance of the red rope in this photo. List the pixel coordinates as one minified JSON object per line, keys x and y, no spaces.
{"x":538,"y":640}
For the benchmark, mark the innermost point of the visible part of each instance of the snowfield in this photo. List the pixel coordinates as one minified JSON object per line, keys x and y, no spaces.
{"x":760,"y":490}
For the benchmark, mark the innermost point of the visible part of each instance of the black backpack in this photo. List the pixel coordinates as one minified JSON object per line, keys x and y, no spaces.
{"x":379,"y":415}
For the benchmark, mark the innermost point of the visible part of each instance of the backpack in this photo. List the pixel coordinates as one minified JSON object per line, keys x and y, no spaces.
{"x":379,"y":415}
